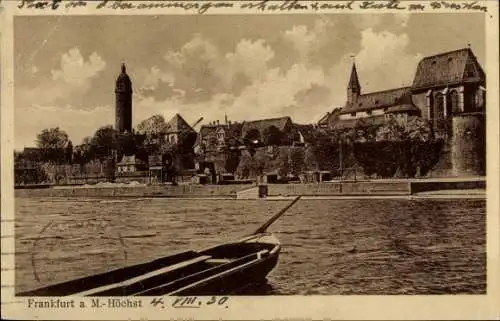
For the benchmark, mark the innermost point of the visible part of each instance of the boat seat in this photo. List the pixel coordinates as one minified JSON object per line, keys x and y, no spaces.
{"x":219,"y":261}
{"x":145,"y":276}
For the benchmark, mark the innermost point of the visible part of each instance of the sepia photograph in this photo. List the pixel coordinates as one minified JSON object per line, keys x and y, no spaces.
{"x":144,"y":142}
{"x":249,"y":155}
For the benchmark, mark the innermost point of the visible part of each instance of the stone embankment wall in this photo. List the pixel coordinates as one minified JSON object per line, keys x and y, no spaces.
{"x":344,"y":188}
{"x":423,"y":186}
{"x":136,"y":191}
{"x":249,"y":191}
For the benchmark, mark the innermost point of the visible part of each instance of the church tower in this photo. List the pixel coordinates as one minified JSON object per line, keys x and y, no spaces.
{"x":123,"y":109}
{"x":353,"y":88}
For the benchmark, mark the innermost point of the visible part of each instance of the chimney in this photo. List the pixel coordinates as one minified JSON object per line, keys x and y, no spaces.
{"x":225,"y":116}
{"x":217,"y":122}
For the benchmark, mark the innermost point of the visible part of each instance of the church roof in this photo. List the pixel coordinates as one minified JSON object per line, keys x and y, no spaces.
{"x":448,"y":68}
{"x":381,"y":99}
{"x":178,"y":125}
{"x":262,"y":124}
{"x":354,"y":81}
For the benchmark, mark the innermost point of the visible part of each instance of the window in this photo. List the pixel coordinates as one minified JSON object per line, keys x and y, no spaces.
{"x":353,"y":114}
{"x":454,"y":102}
{"x":368,"y":112}
{"x":439,"y":112}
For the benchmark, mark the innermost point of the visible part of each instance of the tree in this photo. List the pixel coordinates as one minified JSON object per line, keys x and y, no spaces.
{"x":272,"y":136}
{"x":83,"y":152}
{"x":69,"y":152}
{"x":296,"y":161}
{"x":232,"y":160}
{"x":283,"y":164}
{"x":418,"y":129}
{"x":87,"y":140}
{"x":153,"y":126}
{"x":398,"y":129}
{"x":104,"y":142}
{"x":252,"y":136}
{"x":310,"y":159}
{"x":244,"y":165}
{"x":52,"y":142}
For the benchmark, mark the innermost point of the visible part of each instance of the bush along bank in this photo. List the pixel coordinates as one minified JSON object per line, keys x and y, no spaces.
{"x":407,"y":159}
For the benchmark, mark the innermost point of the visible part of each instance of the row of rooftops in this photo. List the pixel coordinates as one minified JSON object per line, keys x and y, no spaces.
{"x":441,"y":70}
{"x":444,"y":69}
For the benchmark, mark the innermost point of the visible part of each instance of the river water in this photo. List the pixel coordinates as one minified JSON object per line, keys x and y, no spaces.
{"x":332,"y":247}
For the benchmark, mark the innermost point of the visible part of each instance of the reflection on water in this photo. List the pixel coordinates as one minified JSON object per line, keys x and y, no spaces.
{"x":329,"y":246}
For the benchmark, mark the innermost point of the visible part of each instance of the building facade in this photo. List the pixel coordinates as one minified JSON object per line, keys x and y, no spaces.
{"x":448,"y":90}
{"x":448,"y":85}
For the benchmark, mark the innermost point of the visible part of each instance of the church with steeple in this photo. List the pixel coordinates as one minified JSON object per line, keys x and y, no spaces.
{"x":448,"y":90}
{"x":123,"y":102}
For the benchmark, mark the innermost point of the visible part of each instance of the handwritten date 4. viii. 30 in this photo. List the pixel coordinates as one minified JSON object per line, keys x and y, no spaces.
{"x":192,"y":302}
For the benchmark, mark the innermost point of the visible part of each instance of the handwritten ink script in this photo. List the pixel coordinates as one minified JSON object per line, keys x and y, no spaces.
{"x":192,"y":302}
{"x":202,"y":7}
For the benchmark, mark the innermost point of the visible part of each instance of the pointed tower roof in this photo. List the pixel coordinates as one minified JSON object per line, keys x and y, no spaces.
{"x":123,"y":82}
{"x":178,"y":125}
{"x":354,"y":81}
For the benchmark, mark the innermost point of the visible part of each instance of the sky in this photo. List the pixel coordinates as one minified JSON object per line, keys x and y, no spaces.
{"x":244,"y":66}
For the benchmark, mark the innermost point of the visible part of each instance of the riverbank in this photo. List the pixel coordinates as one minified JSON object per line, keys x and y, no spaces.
{"x":452,"y":187}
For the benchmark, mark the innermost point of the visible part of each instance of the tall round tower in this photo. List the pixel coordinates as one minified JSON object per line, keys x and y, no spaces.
{"x":123,"y":109}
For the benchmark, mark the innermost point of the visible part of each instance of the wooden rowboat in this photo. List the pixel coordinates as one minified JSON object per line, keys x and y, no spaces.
{"x":219,"y":270}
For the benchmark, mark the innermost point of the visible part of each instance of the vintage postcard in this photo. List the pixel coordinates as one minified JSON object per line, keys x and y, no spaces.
{"x":249,"y":160}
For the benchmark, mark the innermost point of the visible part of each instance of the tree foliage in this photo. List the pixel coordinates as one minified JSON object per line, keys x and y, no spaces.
{"x":153,"y":127}
{"x":405,"y":157}
{"x":252,"y":136}
{"x":52,"y":143}
{"x":232,"y":161}
{"x":399,"y":129}
{"x":104,"y":142}
{"x":296,"y":160}
{"x":272,"y":136}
